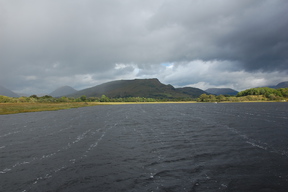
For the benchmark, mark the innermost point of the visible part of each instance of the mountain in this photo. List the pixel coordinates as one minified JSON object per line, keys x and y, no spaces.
{"x":221,"y":91}
{"x":6,"y":92}
{"x":148,"y":88}
{"x":280,"y":85}
{"x":62,"y":91}
{"x":193,"y":92}
{"x":23,"y":94}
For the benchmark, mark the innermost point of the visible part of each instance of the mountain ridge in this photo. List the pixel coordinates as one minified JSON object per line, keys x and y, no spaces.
{"x":7,"y":92}
{"x":148,"y":88}
{"x":283,"y":84}
{"x":62,"y":91}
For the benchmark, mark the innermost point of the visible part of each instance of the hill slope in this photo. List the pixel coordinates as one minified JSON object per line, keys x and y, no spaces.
{"x":62,"y":91}
{"x":6,"y":92}
{"x":148,"y":88}
{"x":193,"y":92}
{"x":282,"y":85}
{"x":221,"y":91}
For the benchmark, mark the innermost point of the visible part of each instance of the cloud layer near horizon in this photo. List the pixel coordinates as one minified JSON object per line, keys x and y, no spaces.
{"x":221,"y":43}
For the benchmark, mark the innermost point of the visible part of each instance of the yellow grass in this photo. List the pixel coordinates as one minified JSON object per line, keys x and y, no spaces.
{"x":10,"y":108}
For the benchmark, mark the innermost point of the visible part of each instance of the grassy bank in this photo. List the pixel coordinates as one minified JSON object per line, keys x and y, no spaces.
{"x":10,"y":108}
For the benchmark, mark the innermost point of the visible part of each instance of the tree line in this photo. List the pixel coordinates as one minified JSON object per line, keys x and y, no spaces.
{"x":253,"y":94}
{"x":83,"y":98}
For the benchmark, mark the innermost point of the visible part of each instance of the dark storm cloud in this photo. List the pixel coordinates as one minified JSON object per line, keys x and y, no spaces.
{"x":261,"y":39}
{"x":49,"y":43}
{"x":254,"y":33}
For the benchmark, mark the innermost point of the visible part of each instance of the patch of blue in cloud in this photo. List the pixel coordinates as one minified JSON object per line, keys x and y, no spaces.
{"x":167,"y":64}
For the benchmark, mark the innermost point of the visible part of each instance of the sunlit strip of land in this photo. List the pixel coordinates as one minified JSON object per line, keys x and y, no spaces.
{"x":11,"y":108}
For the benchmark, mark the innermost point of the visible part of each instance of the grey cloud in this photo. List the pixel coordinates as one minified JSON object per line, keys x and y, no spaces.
{"x":45,"y":42}
{"x":251,"y":32}
{"x":217,"y":74}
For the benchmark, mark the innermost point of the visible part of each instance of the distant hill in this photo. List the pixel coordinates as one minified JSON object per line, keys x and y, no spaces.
{"x":193,"y":92}
{"x":62,"y":91}
{"x":221,"y":91}
{"x":280,"y":85}
{"x":6,"y":92}
{"x":148,"y":88}
{"x":23,"y":94}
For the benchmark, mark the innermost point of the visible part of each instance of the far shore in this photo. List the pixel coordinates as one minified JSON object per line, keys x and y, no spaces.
{"x":13,"y":108}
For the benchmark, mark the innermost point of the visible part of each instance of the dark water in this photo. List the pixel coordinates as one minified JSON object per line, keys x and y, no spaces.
{"x":148,"y":147}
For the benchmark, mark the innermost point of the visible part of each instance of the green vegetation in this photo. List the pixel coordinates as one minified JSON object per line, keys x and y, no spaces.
{"x":33,"y":103}
{"x":254,"y":94}
{"x":269,"y":93}
{"x":10,"y":105}
{"x":83,"y":98}
{"x":10,"y":108}
{"x":143,"y":88}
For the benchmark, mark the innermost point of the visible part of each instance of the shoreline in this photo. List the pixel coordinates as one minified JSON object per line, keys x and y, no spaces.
{"x":14,"y":108}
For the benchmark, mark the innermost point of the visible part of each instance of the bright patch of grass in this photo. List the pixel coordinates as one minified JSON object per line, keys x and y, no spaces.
{"x":10,"y":108}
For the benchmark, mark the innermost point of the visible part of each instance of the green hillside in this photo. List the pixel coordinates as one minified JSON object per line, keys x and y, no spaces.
{"x":148,"y":88}
{"x":191,"y":91}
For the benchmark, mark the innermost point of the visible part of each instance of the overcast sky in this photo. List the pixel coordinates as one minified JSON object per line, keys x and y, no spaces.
{"x":45,"y":44}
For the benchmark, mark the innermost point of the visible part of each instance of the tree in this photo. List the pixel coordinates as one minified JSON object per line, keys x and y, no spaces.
{"x":63,"y":99}
{"x":83,"y":98}
{"x":203,"y":98}
{"x":34,"y":96}
{"x":283,"y":91}
{"x":104,"y":98}
{"x":221,"y":98}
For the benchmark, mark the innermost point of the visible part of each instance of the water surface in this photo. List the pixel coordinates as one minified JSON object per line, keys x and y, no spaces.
{"x":147,"y":147}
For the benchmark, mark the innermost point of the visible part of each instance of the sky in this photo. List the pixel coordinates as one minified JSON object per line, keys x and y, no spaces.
{"x":46,"y":44}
